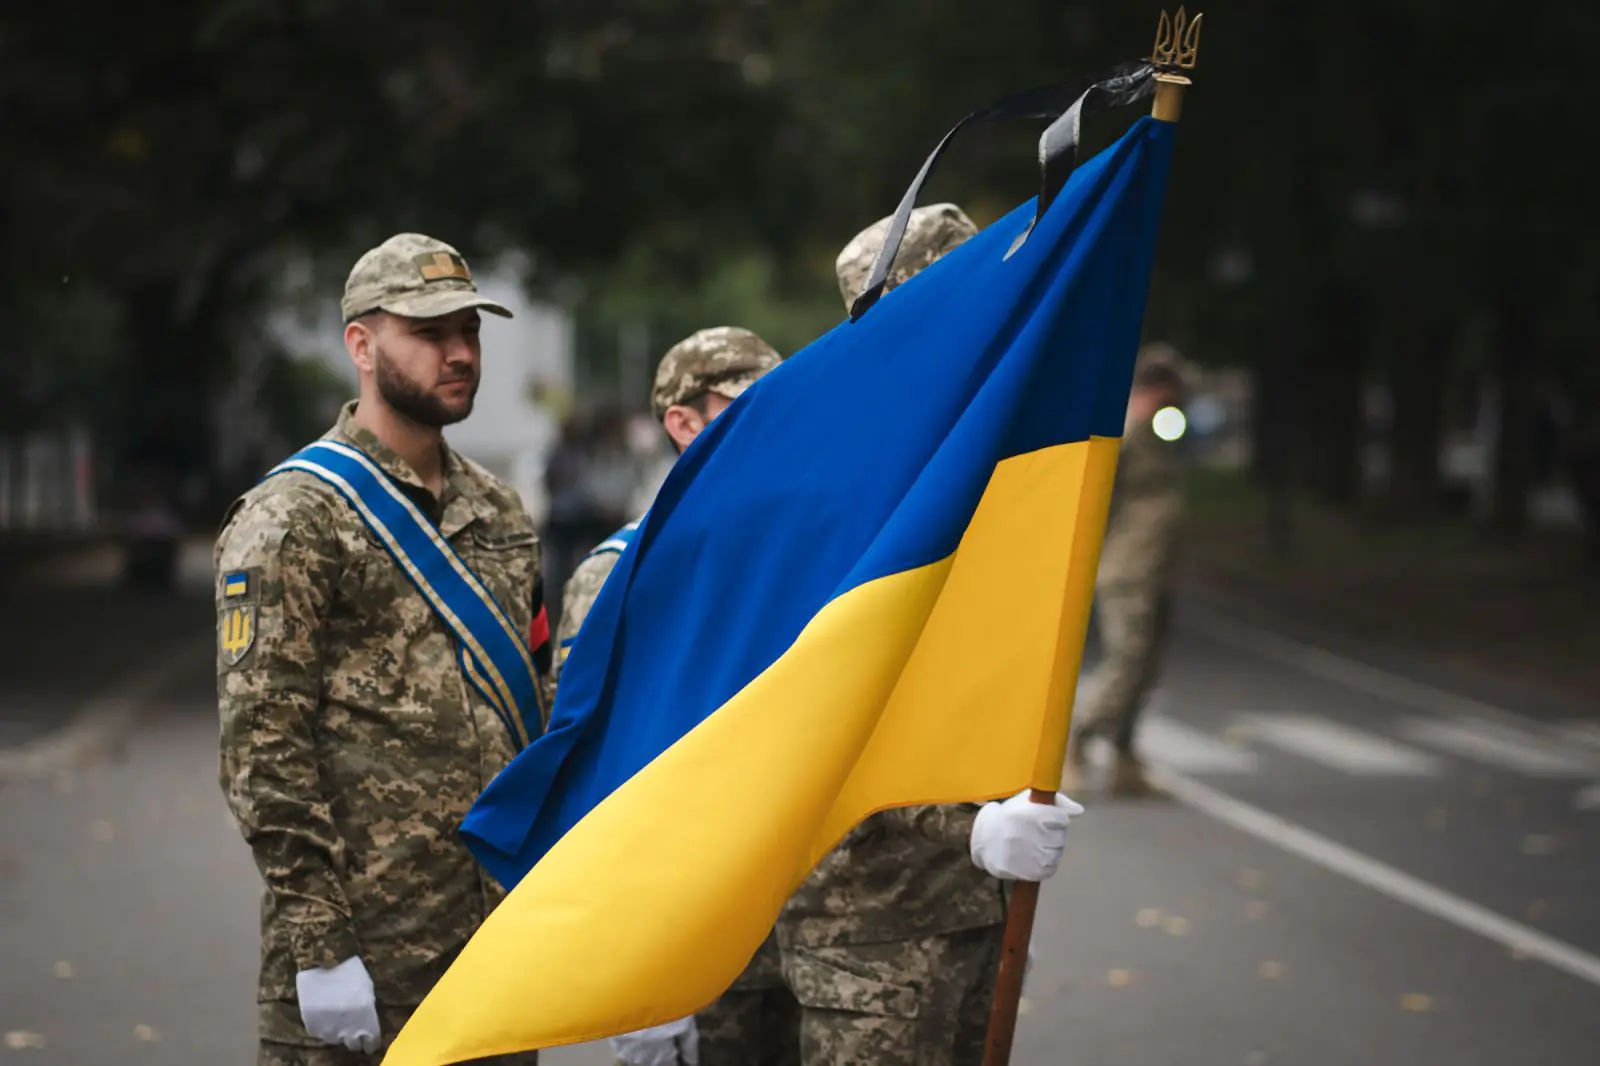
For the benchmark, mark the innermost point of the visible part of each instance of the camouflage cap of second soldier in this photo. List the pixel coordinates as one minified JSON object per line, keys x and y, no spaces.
{"x":930,"y":233}
{"x":725,"y":360}
{"x":413,"y":276}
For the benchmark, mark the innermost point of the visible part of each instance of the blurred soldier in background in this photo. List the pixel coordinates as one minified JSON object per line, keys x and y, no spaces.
{"x":1133,"y":594}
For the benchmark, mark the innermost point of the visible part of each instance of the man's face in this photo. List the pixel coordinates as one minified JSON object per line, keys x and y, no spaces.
{"x":427,"y":369}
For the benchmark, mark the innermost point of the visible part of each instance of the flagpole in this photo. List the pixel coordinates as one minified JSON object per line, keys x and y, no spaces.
{"x":1176,"y":48}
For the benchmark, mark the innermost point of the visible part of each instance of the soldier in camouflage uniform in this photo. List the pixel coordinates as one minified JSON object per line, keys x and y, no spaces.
{"x":351,"y":745}
{"x":1133,"y":585}
{"x":893,"y":943}
{"x":756,"y":1020}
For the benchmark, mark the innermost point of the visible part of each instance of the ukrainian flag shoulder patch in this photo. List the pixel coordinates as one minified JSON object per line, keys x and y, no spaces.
{"x":236,"y":584}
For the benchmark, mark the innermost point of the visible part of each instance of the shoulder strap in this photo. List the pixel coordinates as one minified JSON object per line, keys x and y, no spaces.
{"x":618,"y":542}
{"x":493,"y":655}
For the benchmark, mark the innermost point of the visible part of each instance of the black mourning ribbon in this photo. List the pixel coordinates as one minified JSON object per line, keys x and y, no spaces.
{"x":1065,"y":103}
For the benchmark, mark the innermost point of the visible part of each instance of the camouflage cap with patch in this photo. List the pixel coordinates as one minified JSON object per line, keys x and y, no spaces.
{"x":725,"y":360}
{"x":414,"y":276}
{"x":930,"y":233}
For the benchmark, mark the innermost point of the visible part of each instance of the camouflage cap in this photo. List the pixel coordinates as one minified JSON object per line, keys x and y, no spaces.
{"x":414,"y":276}
{"x":725,"y":360}
{"x":930,"y":233}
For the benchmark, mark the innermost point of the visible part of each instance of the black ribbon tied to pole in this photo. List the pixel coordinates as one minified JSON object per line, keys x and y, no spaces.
{"x":1065,"y":104}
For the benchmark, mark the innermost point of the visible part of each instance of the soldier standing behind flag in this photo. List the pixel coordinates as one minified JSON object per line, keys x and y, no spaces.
{"x":893,"y":943}
{"x":1133,"y":598}
{"x":352,"y":744}
{"x":756,"y":1020}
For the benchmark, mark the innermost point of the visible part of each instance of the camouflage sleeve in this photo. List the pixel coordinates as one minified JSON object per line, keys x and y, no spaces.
{"x":944,"y":823}
{"x":577,"y":597}
{"x":276,"y":567}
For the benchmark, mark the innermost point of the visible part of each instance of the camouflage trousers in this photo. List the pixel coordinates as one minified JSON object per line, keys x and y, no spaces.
{"x":921,"y":1002}
{"x":751,"y":1027}
{"x":307,"y":1052}
{"x":1133,"y":619}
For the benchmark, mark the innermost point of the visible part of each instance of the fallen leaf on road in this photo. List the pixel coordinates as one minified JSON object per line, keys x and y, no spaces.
{"x":146,"y":1034}
{"x":1250,"y":879}
{"x":1537,"y":910}
{"x":1119,"y":978}
{"x":1416,"y":1002}
{"x":1255,"y":909}
{"x":1520,"y":954}
{"x":1272,"y":971}
{"x":22,"y":1040}
{"x":1176,"y":926}
{"x":1437,"y":819}
{"x":103,"y":831}
{"x":64,"y":970}
{"x":1149,"y":918}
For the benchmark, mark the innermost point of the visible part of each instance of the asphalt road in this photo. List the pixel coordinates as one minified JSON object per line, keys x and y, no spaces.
{"x":1354,"y":870}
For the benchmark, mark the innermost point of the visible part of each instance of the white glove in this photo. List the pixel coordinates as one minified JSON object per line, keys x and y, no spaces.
{"x":672,"y":1044}
{"x":338,"y":1006}
{"x":1020,"y":840}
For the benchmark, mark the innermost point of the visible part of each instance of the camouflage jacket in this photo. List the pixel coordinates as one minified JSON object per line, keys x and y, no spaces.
{"x":351,"y":745}
{"x":900,"y":874}
{"x":1146,"y":510}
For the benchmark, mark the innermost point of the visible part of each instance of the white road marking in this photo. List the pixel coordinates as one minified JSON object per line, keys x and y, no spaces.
{"x":1166,"y":742}
{"x":1393,"y":883}
{"x":1359,"y":677}
{"x":1489,"y":742}
{"x":1580,"y":731}
{"x":1340,"y":747}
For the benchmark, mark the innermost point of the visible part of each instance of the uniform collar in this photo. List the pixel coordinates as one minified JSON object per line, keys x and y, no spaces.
{"x":389,"y":461}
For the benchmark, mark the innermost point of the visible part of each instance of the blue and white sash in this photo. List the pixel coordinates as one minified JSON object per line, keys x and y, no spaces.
{"x":494,"y":656}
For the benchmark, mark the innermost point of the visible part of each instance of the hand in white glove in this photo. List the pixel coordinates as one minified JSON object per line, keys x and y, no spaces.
{"x":1020,"y":840}
{"x":672,"y":1044}
{"x":338,"y":1006}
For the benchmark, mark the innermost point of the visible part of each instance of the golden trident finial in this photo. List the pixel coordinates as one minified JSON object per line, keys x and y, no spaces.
{"x":1177,"y":48}
{"x":1177,"y":41}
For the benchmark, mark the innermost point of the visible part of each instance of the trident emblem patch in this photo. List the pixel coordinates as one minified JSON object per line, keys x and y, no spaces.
{"x":238,"y":632}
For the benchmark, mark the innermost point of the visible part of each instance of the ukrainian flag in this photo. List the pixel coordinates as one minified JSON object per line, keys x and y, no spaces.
{"x":865,"y":586}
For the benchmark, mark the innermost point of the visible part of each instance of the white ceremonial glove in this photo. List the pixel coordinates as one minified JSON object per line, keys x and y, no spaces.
{"x":1020,"y":840}
{"x":671,"y":1044}
{"x":338,"y":1006}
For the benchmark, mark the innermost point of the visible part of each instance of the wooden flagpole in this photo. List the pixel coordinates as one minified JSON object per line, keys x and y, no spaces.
{"x":1177,"y":48}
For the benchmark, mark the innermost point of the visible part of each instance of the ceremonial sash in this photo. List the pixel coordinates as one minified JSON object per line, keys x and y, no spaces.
{"x":494,"y":658}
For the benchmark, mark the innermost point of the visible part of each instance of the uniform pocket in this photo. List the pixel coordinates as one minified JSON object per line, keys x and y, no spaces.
{"x":853,"y":980}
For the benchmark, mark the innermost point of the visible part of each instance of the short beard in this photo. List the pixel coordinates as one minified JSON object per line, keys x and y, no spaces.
{"x":409,"y":399}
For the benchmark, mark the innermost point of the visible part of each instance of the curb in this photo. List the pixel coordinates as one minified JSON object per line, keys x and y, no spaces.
{"x":98,"y":730}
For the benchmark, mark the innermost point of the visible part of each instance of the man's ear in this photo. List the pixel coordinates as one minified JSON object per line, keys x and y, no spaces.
{"x":360,"y":343}
{"x":683,"y":424}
